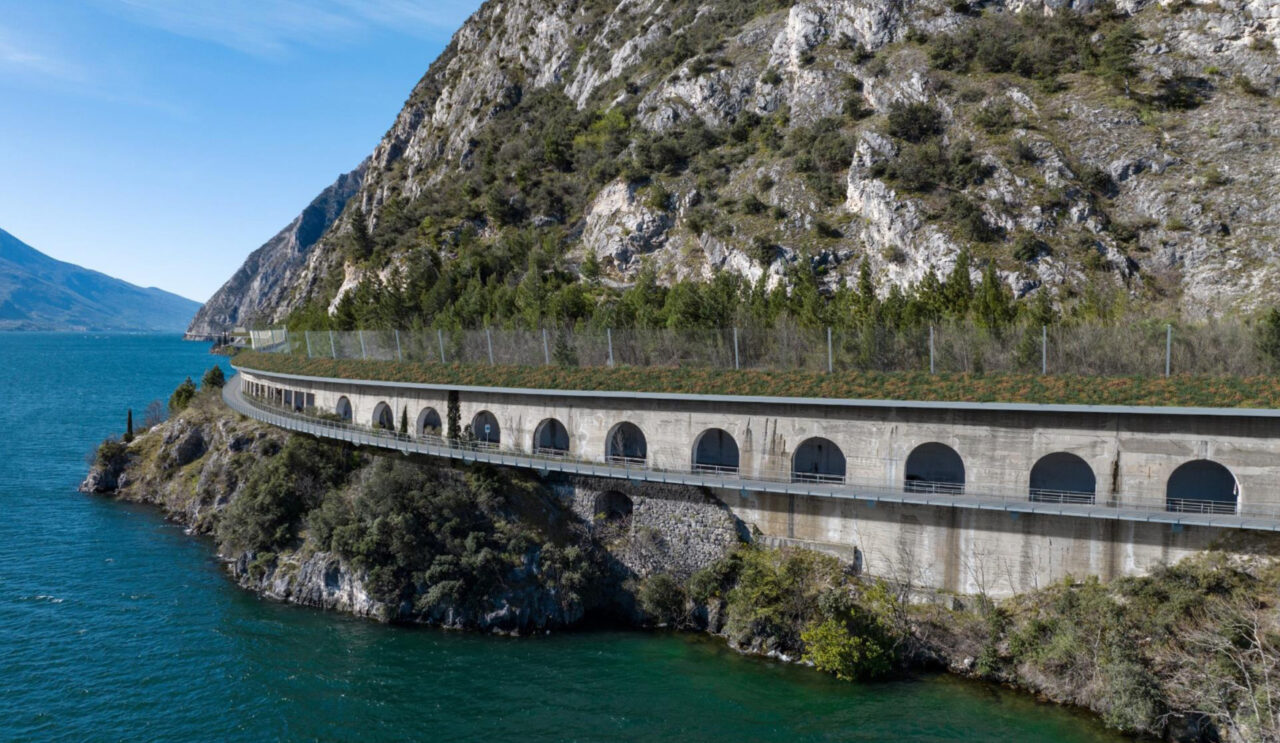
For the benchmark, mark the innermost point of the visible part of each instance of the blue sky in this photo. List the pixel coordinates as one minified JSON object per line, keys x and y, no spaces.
{"x":161,"y":141}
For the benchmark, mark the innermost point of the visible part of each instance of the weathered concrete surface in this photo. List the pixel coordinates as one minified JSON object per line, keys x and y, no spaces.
{"x":964,"y":550}
{"x":968,"y":551}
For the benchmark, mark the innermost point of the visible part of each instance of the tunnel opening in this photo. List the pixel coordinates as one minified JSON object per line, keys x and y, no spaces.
{"x":1063,"y":478}
{"x":817,"y":460}
{"x":715,"y":451}
{"x":429,"y":423}
{"x":612,"y":506}
{"x":383,"y":418}
{"x":626,"y":445}
{"x":551,"y":438}
{"x":485,"y":429}
{"x":934,"y":468}
{"x":343,"y":409}
{"x":1202,"y":486}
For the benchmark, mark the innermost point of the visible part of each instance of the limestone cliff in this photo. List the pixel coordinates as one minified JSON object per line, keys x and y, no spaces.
{"x":263,"y":282}
{"x":1153,"y":180}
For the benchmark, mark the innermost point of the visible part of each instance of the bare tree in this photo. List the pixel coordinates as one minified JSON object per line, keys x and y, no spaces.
{"x":1225,"y":668}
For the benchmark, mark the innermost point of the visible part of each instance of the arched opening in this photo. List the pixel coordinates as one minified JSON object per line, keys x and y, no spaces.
{"x":429,"y":423}
{"x":1063,"y":478}
{"x":715,"y":451}
{"x":1202,"y":486}
{"x":934,"y":468}
{"x":343,"y":409}
{"x":383,"y":417}
{"x":551,"y":438}
{"x":626,"y":445}
{"x":611,"y":506}
{"x":817,"y":460}
{"x":484,"y":428}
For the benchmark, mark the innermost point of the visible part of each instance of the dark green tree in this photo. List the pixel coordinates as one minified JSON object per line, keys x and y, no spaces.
{"x":214,"y":378}
{"x":1269,"y":336}
{"x":1115,"y":60}
{"x":182,"y":396}
{"x":404,"y":420}
{"x":128,"y":427}
{"x":993,"y":306}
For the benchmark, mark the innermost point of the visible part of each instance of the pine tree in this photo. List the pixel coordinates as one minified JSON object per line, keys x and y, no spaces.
{"x":993,"y":307}
{"x":957,"y":290}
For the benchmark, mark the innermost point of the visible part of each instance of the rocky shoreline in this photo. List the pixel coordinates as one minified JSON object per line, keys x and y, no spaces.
{"x":384,"y":538}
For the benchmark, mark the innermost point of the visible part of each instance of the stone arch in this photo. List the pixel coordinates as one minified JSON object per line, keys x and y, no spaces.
{"x":817,"y":460}
{"x":1202,"y":486}
{"x":383,"y":417}
{"x":612,"y":505}
{"x":934,"y":468}
{"x":429,"y":423}
{"x":1062,"y":477}
{"x":485,"y":428}
{"x":715,"y":450}
{"x":626,"y":443}
{"x":551,"y":437}
{"x":343,"y":409}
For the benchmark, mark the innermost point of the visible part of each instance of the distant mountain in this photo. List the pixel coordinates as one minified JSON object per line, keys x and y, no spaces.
{"x":268,"y":274}
{"x":40,"y":293}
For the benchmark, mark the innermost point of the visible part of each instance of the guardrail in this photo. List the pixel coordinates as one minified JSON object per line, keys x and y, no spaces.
{"x":1183,"y":512}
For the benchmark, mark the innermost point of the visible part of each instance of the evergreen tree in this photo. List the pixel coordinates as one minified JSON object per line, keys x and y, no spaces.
{"x":1269,"y":336}
{"x":128,"y":427}
{"x":214,"y":378}
{"x":1116,"y":58}
{"x":957,"y":290}
{"x":866,"y":302}
{"x":182,"y":396}
{"x":362,"y":244}
{"x":993,"y":306}
{"x":404,"y":420}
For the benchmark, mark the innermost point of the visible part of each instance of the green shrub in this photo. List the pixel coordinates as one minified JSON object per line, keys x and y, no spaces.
{"x":182,"y":396}
{"x":833,"y":649}
{"x":996,"y":118}
{"x":111,"y":453}
{"x":915,"y":122}
{"x":213,"y":379}
{"x":664,"y":600}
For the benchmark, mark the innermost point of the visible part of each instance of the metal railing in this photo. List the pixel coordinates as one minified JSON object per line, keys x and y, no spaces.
{"x":1189,"y":511}
{"x":1125,"y":349}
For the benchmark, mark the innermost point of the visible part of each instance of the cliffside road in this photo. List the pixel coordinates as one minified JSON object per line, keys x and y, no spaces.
{"x":1258,"y":519}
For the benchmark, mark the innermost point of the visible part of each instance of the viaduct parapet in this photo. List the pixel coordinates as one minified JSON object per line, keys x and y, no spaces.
{"x":965,"y":497}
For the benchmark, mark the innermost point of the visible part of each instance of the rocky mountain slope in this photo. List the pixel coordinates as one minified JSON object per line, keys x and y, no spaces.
{"x":263,"y":282}
{"x":1073,"y":145}
{"x":40,"y":293}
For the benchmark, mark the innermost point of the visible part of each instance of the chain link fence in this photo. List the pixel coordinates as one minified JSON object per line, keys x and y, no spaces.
{"x":1143,"y":349}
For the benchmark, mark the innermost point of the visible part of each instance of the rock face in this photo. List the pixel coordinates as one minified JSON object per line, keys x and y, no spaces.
{"x":197,"y":464}
{"x":267,"y":277}
{"x":1184,"y":209}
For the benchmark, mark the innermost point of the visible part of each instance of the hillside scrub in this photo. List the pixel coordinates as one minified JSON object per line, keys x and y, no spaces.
{"x":1178,"y":390}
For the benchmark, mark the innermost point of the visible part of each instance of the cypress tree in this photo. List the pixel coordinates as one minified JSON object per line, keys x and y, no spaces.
{"x":128,"y":427}
{"x":404,"y":420}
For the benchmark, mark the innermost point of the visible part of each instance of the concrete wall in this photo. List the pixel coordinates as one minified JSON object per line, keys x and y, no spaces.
{"x":1131,"y":455}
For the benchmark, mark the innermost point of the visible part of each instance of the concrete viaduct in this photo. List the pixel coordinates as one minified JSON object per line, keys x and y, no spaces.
{"x":965,"y":497}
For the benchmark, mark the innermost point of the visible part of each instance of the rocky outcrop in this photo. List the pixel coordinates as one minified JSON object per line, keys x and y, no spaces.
{"x":265,"y":281}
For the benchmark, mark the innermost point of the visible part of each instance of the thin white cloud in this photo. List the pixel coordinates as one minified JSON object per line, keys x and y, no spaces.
{"x":25,"y":58}
{"x":273,"y":27}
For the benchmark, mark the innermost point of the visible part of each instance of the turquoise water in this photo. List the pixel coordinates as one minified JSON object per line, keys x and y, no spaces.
{"x":116,"y":625}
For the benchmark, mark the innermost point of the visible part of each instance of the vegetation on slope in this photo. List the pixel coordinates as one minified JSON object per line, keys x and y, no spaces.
{"x":1228,"y":392}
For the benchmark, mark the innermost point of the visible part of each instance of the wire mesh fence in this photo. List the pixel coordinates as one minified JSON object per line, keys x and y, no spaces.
{"x":1138,"y":349}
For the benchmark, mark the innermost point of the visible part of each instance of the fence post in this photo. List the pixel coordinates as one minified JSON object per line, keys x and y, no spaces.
{"x":546,"y":350}
{"x":440,"y":337}
{"x":307,"y":335}
{"x":830,"y":360}
{"x":736,"y":364}
{"x":488,"y":336}
{"x":333,"y":347}
{"x":1168,"y":347}
{"x":1044,"y":349}
{"x":608,"y":332}
{"x":363,"y":355}
{"x":399,"y":353}
{"x":931,"y":349}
